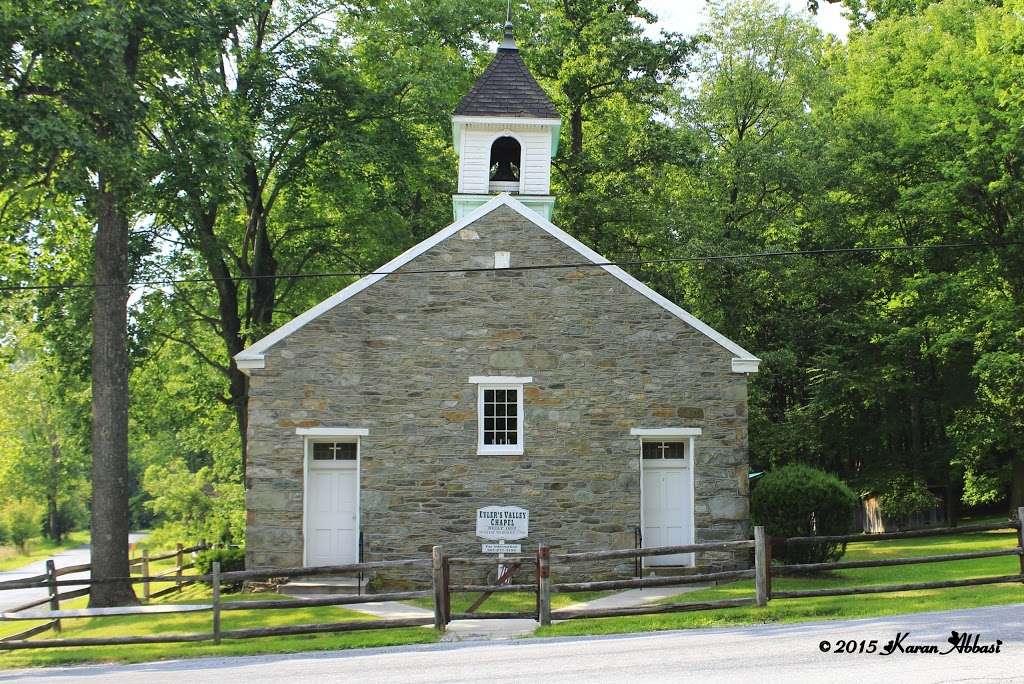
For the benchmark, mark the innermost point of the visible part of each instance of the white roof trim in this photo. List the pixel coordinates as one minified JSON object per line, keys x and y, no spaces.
{"x":498,"y":380}
{"x":486,"y":120}
{"x":666,"y":432}
{"x":745,"y":365}
{"x":244,"y":364}
{"x":255,"y":353}
{"x":333,"y":432}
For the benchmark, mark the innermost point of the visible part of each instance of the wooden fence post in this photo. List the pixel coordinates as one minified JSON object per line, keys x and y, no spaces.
{"x":216,"y":602}
{"x":179,"y":561}
{"x":543,"y":584}
{"x":760,"y":566}
{"x":145,"y":575}
{"x":1020,"y":536}
{"x":447,"y":576}
{"x":51,"y":578}
{"x":437,"y":577}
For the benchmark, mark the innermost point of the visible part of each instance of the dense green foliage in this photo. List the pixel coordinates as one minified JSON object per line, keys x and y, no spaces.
{"x":260,"y":139}
{"x":904,"y":498}
{"x":800,"y":501}
{"x":19,"y":519}
{"x":230,"y":559}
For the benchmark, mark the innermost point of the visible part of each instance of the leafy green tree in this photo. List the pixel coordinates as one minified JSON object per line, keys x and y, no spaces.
{"x":21,"y":521}
{"x":43,"y":432}
{"x":311,"y":139}
{"x":195,"y":505}
{"x":75,"y":76}
{"x":614,"y":85}
{"x":930,"y":105}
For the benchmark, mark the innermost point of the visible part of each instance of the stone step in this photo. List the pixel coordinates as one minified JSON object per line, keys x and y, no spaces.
{"x":325,"y":586}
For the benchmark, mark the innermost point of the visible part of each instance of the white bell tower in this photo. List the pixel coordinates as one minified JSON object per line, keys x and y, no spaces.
{"x":505,"y":132}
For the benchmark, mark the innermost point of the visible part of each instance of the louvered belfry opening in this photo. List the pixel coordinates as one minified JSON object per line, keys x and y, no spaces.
{"x":506,"y":164}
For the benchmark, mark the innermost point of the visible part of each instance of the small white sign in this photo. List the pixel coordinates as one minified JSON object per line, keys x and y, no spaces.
{"x":502,"y":522}
{"x":502,"y":548}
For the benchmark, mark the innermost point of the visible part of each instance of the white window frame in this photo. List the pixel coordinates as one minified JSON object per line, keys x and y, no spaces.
{"x":484,"y":382}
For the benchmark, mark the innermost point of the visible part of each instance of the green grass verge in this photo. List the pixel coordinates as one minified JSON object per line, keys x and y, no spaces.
{"x":39,"y":549}
{"x":843,"y":607}
{"x":201,"y":623}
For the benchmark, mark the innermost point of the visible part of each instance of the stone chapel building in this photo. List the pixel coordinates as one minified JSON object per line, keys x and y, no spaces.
{"x":458,"y":376}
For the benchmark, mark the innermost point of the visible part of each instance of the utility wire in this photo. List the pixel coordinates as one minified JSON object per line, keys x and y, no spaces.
{"x":538,"y":267}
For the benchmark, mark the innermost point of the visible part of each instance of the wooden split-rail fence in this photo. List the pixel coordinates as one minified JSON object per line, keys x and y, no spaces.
{"x":543,"y":586}
{"x":50,"y":580}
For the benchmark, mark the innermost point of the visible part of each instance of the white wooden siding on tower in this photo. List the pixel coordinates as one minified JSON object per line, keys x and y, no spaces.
{"x":475,"y":156}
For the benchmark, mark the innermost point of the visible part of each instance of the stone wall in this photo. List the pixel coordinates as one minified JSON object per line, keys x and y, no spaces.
{"x":396,"y":359}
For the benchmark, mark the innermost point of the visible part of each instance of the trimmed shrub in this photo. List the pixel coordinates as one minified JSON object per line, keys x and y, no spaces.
{"x":905,"y":497}
{"x":230,"y":560}
{"x":21,"y":522}
{"x":800,"y":501}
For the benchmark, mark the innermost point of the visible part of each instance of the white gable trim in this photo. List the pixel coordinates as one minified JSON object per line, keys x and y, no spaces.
{"x":253,"y":357}
{"x":499,"y":380}
{"x":666,"y":432}
{"x":333,"y":432}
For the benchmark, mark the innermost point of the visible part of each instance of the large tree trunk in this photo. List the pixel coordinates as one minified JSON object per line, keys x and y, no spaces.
{"x":110,"y":403}
{"x":1017,"y":484}
{"x":576,"y":131}
{"x":239,"y":392}
{"x":230,"y":321}
{"x":52,"y":519}
{"x":53,"y":528}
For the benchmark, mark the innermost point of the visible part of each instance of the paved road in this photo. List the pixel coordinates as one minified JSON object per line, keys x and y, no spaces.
{"x":766,"y":653}
{"x":16,"y":597}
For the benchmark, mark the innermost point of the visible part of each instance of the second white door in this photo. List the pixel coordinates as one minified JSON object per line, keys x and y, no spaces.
{"x":667,"y":509}
{"x":332,"y":532}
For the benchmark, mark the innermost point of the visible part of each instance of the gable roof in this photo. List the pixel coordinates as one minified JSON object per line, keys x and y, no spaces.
{"x":253,"y":356}
{"x":507,"y":88}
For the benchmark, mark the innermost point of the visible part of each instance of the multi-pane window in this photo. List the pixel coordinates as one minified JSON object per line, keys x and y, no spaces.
{"x":664,"y":450}
{"x":501,"y":416}
{"x":501,"y":419}
{"x":334,"y":451}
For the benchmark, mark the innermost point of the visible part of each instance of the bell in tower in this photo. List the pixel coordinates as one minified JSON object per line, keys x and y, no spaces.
{"x":505,"y":132}
{"x":506,"y":160}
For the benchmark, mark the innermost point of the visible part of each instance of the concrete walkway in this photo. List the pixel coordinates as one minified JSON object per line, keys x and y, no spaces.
{"x":77,"y":556}
{"x":496,"y":630}
{"x":635,"y":597}
{"x":458,"y":630}
{"x":390,"y":610}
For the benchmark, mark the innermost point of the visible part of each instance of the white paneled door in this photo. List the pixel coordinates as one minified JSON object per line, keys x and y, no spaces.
{"x":332,"y":527}
{"x":667,"y":509}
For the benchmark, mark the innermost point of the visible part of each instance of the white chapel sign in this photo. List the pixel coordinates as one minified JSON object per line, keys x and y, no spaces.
{"x":502,"y":522}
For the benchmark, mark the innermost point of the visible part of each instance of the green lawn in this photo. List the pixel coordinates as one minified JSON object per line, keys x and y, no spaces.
{"x":39,"y":549}
{"x":201,"y":622}
{"x":778,"y":611}
{"x":843,"y":607}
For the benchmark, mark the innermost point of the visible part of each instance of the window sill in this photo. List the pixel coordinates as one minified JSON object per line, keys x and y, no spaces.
{"x":500,"y":451}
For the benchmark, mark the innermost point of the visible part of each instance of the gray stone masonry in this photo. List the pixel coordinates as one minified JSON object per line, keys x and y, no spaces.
{"x":396,"y":359}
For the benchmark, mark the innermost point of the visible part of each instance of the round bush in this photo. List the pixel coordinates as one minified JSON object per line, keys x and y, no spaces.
{"x":230,"y":559}
{"x":800,"y":501}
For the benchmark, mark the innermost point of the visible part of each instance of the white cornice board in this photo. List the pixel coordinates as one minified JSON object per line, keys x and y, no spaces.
{"x":666,"y":432}
{"x":253,"y":357}
{"x":332,"y":432}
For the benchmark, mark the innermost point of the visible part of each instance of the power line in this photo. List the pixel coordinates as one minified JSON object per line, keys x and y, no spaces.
{"x":538,"y":267}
